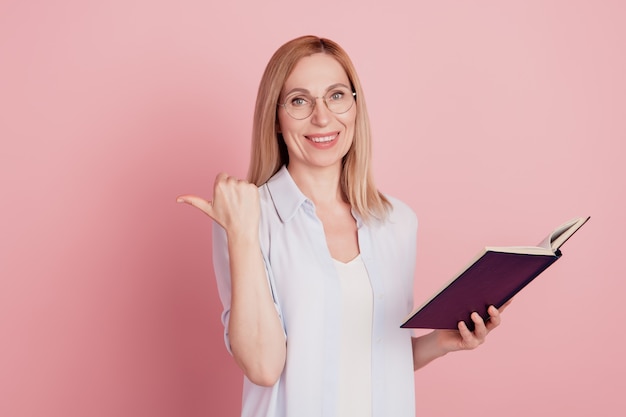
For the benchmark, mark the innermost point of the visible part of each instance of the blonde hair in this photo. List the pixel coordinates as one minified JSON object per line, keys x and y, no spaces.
{"x":269,"y":151}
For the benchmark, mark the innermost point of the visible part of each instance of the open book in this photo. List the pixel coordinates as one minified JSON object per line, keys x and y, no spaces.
{"x":493,"y":277}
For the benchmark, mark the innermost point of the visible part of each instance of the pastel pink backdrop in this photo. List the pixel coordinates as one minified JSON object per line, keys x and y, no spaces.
{"x":495,"y":121}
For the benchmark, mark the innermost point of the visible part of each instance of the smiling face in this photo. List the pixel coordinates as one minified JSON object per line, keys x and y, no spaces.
{"x":322,"y":139}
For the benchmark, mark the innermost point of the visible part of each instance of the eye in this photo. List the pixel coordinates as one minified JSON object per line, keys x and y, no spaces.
{"x":337,"y":95}
{"x":298,"y":101}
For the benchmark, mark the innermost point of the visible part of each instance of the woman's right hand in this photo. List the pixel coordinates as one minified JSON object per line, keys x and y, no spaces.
{"x":235,"y":205}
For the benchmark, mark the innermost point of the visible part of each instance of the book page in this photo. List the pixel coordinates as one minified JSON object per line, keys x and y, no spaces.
{"x":560,"y":235}
{"x":526,"y":250}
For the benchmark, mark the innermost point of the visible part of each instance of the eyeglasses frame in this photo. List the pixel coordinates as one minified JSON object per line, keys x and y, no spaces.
{"x":283,"y":105}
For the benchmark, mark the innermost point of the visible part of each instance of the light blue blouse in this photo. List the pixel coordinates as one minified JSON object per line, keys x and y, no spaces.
{"x":306,"y":291}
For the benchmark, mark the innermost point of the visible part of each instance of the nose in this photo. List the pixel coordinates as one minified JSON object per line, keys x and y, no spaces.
{"x":321,"y":113}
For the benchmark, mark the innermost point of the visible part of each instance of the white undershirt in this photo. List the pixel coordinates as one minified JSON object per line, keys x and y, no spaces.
{"x":355,"y":373}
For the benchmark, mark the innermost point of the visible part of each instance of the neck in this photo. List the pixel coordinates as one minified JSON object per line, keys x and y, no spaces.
{"x":320,"y":185}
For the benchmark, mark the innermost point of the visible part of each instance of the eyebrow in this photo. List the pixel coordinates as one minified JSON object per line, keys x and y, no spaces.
{"x":304,"y":90}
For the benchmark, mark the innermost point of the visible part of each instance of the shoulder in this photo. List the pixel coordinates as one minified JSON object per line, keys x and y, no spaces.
{"x":401,"y":213}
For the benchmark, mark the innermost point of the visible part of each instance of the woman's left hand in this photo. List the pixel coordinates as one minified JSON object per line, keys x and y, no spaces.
{"x":464,"y":338}
{"x":437,"y":343}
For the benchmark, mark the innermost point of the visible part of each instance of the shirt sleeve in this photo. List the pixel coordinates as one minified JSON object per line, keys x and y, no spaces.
{"x":221,"y":267}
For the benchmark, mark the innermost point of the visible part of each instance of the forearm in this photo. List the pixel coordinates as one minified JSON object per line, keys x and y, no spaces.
{"x":256,"y":335}
{"x":426,"y":349}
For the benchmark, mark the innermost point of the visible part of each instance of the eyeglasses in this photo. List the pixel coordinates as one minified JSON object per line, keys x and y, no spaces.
{"x":300,"y":105}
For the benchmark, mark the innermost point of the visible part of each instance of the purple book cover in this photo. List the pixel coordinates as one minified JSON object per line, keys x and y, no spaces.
{"x":492,"y":280}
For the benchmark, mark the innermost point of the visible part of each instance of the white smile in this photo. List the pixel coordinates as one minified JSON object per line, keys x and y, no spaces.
{"x":323,"y":139}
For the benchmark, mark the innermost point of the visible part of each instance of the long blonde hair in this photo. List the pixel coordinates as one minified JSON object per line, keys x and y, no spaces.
{"x":269,"y":151}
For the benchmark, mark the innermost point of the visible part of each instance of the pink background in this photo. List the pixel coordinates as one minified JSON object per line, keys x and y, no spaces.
{"x":496,"y":121}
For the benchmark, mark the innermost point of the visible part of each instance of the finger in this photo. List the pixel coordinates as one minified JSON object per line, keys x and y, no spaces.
{"x":223,"y":178}
{"x":198,"y":202}
{"x":228,"y":185}
{"x":466,"y":334}
{"x":494,"y":318}
{"x":480,"y":330}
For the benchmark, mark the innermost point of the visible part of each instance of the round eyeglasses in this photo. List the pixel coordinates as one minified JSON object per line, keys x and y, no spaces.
{"x":300,"y":105}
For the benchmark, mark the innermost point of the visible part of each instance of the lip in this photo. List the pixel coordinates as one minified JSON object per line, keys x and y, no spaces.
{"x":323,"y":138}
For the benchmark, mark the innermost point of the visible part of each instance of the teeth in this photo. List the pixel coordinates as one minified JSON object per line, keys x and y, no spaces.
{"x":323,"y":139}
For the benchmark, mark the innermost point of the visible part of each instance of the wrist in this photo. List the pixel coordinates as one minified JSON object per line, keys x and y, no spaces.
{"x":427,"y":348}
{"x":244,"y":237}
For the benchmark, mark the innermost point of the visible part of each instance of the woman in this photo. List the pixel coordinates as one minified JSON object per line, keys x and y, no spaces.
{"x":314,"y":266}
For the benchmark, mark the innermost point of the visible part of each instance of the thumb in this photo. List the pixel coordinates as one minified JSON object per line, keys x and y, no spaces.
{"x":200,"y":203}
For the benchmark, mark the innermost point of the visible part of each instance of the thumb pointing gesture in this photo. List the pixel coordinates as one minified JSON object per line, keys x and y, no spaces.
{"x":204,"y":205}
{"x":235,"y":204}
